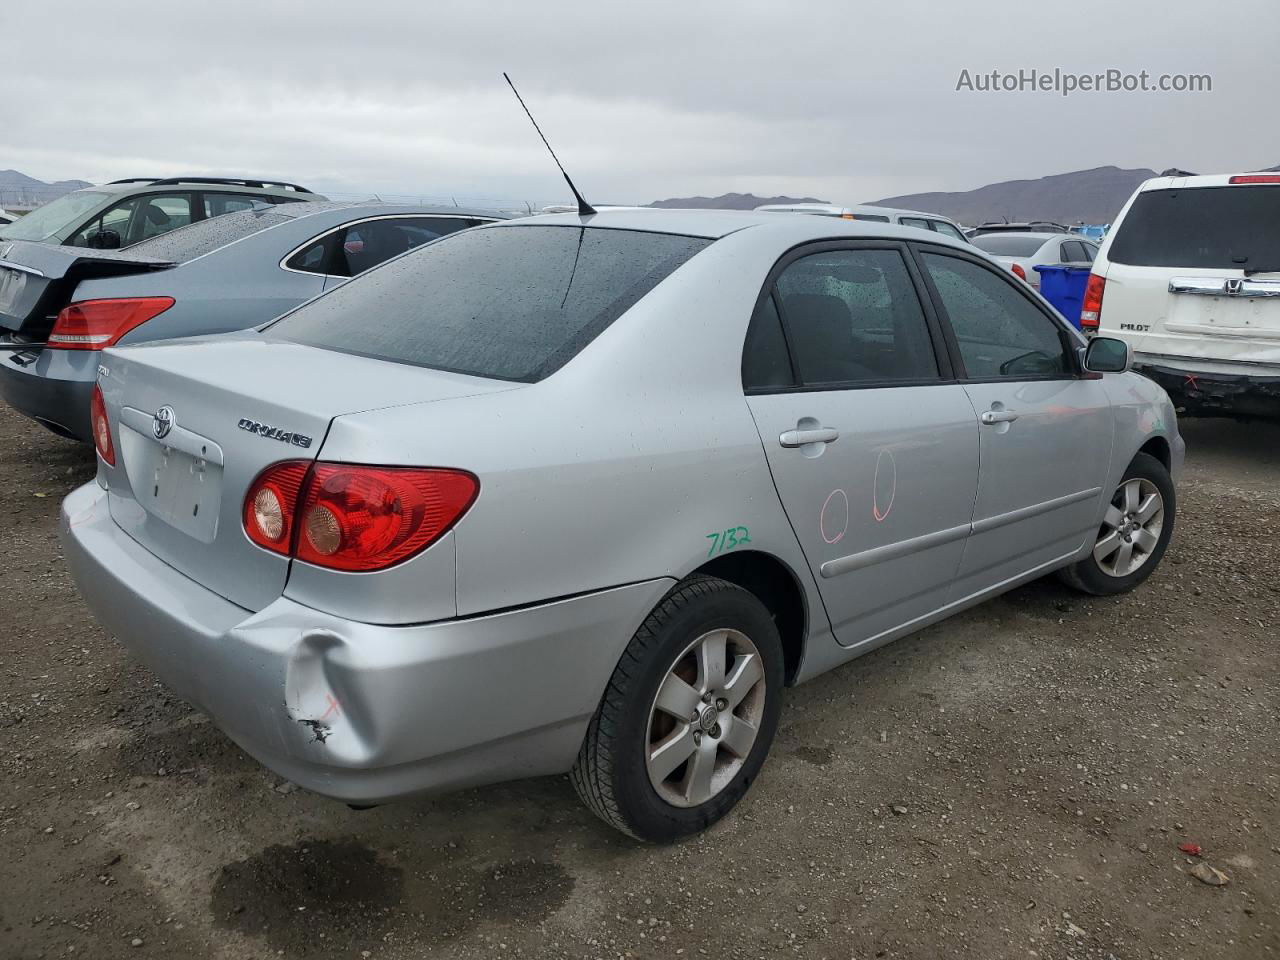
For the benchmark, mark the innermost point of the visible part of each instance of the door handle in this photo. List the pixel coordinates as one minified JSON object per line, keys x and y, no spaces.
{"x":998,"y":416}
{"x":798,"y":438}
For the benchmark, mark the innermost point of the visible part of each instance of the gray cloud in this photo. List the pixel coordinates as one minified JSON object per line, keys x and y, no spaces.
{"x":847,"y":101}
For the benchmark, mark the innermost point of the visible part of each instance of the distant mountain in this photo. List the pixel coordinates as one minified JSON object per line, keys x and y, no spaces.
{"x":728,"y":201}
{"x":21,"y":192}
{"x":1094,"y":196}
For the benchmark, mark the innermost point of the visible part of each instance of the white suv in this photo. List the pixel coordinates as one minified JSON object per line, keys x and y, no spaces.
{"x":1190,"y":277}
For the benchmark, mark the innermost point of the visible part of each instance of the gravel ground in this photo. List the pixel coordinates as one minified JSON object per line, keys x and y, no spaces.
{"x":1015,"y":782}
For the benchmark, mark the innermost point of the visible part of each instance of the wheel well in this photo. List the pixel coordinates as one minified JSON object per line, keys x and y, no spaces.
{"x":776,"y":587}
{"x":1158,"y":447}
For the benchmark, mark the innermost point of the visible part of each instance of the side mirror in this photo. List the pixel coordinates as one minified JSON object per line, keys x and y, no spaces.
{"x":1107,"y":355}
{"x":104,"y":240}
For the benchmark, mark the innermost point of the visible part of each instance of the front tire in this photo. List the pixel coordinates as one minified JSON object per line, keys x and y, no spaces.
{"x":688,"y":716}
{"x":1134,"y":534}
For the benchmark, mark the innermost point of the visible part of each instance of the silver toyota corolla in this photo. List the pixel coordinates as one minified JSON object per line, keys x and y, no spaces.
{"x":585,"y":494}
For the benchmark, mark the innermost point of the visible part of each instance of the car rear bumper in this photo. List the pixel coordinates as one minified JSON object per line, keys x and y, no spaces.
{"x":52,"y":387}
{"x":353,"y":711}
{"x":1196,"y":391}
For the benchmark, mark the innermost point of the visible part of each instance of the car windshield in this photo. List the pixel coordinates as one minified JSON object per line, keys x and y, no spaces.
{"x":1213,"y":227}
{"x":510,"y":303}
{"x":1006,"y":246}
{"x":43,"y":222}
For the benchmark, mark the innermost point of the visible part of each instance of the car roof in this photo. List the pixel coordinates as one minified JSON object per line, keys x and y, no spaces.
{"x":1206,"y":180}
{"x":1032,"y":235}
{"x":866,"y":209}
{"x":713,"y":224}
{"x":206,"y":184}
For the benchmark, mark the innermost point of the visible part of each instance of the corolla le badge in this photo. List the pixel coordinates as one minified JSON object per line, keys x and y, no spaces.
{"x":162,"y":422}
{"x":274,"y":433}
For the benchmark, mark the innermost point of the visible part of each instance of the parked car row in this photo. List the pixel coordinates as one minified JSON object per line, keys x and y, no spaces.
{"x":61,"y":306}
{"x":346,"y":520}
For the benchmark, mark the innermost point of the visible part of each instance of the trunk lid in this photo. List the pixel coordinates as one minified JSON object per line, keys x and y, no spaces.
{"x":39,"y":279}
{"x":196,"y":421}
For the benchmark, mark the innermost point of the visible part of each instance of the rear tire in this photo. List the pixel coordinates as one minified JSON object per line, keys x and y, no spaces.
{"x":688,"y":716}
{"x":1134,"y":534}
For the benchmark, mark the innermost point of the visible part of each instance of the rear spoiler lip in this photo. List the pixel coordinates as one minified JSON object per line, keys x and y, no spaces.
{"x":22,"y":268}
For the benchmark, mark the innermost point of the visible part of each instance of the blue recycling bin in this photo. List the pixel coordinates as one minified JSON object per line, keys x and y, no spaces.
{"x":1063,"y":286}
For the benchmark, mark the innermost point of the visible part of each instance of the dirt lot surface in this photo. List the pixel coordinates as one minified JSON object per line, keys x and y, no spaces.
{"x":1012,"y":783}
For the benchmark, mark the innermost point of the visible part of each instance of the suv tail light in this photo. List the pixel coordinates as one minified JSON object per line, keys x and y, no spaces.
{"x":101,"y":427}
{"x":1256,"y":178}
{"x":352,"y":517}
{"x":1018,"y":271}
{"x":95,"y":324}
{"x":1091,"y":308}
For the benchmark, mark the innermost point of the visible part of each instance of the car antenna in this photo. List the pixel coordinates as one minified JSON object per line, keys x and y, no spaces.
{"x":584,"y":209}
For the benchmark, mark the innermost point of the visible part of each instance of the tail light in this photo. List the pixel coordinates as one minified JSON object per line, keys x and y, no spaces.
{"x":95,"y":324}
{"x":1256,"y":178}
{"x":1018,"y":271}
{"x":351,"y":517}
{"x":101,"y":427}
{"x":1091,"y":308}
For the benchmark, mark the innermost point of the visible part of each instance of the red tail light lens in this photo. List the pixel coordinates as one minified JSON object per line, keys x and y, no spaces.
{"x":95,"y":324}
{"x":1091,"y":308}
{"x":1256,"y":178}
{"x":1018,"y":271}
{"x":355,"y":518}
{"x":270,"y":505}
{"x":101,"y":427}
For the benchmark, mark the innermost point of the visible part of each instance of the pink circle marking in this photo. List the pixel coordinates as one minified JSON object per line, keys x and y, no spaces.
{"x":822,"y":517}
{"x":875,"y":487}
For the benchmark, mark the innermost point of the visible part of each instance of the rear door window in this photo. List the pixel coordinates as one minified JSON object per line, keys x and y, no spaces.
{"x":365,"y":245}
{"x":1212,"y":227}
{"x":220,"y":204}
{"x":511,"y":303}
{"x":853,"y":316}
{"x":159,"y":213}
{"x":914,"y":222}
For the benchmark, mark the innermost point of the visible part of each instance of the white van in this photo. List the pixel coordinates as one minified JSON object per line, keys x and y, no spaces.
{"x":1190,"y":277}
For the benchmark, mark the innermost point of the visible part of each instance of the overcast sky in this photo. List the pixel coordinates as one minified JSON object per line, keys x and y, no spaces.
{"x":846,"y":101}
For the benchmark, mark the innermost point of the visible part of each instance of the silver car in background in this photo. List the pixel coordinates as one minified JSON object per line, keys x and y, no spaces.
{"x":586,"y":493}
{"x":61,"y":307}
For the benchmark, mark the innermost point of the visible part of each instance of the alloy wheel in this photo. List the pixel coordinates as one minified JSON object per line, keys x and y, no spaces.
{"x":1130,"y":528}
{"x":705,"y":718}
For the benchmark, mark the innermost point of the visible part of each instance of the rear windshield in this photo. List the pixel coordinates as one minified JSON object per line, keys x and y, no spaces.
{"x":197,"y":239}
{"x":1005,"y":246}
{"x":1216,"y":227}
{"x":511,"y":303}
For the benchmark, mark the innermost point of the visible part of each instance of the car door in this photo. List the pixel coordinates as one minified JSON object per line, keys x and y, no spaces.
{"x":1045,"y":425}
{"x":872,"y":444}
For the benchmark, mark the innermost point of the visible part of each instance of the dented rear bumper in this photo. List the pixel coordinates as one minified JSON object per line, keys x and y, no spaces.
{"x":354,"y":711}
{"x":1202,"y":391}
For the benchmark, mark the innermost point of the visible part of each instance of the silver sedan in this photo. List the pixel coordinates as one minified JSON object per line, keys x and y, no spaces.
{"x":586,"y":494}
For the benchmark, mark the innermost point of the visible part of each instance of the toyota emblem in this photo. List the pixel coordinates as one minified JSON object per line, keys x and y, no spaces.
{"x":162,"y":422}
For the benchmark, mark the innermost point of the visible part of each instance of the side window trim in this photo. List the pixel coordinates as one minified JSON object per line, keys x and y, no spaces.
{"x":937,"y":334}
{"x":472,"y":221}
{"x":1066,"y":336}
